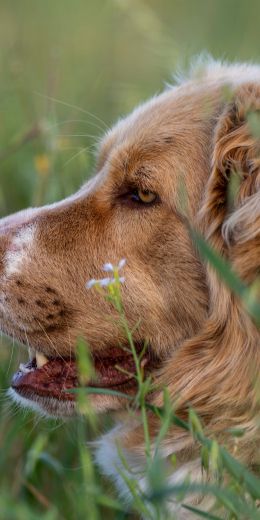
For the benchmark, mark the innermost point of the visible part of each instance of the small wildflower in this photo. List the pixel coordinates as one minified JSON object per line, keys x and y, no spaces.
{"x":104,"y":282}
{"x":91,"y":283}
{"x":121,"y":264}
{"x":108,"y":267}
{"x":42,"y":164}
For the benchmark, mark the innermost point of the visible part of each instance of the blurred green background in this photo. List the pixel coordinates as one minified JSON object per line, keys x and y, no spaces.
{"x":68,"y":69}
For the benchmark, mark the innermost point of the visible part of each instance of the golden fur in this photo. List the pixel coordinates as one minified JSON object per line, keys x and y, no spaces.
{"x":194,"y":134}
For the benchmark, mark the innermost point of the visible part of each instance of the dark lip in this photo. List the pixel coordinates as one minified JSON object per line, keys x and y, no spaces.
{"x":57,"y":377}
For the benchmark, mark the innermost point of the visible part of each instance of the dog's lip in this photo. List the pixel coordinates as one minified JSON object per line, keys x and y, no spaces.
{"x":55,"y":377}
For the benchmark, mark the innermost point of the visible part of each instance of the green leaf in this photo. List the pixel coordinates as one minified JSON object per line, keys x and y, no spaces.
{"x":219,"y":263}
{"x":230,"y":500}
{"x":50,"y":461}
{"x":253,"y":119}
{"x":34,"y":454}
{"x":204,"y":455}
{"x":84,"y":362}
{"x":201,"y":513}
{"x":107,"y":501}
{"x":195,"y":424}
{"x":241,"y":474}
{"x":228,"y":276}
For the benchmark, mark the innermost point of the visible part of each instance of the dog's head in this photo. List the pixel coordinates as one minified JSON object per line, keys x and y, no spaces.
{"x":156,"y":170}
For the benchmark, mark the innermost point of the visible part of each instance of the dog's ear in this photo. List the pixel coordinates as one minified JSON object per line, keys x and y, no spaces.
{"x":213,"y":371}
{"x":231,"y":212}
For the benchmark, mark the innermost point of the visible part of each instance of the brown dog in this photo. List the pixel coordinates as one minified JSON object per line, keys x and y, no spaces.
{"x":202,"y":344}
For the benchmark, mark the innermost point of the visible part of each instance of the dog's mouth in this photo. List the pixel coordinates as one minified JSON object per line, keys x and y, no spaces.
{"x":56,"y":377}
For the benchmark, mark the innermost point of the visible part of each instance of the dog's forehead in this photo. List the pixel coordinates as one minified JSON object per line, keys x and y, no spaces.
{"x":147,"y":124}
{"x":162,"y":123}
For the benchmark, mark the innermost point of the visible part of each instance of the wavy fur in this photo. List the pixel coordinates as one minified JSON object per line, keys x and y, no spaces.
{"x":206,"y":345}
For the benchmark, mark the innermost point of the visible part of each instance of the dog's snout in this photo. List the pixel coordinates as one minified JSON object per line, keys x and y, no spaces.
{"x":15,"y":231}
{"x":10,"y":225}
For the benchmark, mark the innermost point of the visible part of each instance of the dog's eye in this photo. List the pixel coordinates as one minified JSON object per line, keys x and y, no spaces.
{"x":143,"y":196}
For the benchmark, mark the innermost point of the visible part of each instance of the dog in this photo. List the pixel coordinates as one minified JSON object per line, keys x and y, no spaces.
{"x":161,"y":171}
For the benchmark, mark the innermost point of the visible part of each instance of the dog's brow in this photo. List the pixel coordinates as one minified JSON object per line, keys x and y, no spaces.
{"x":146,"y":148}
{"x":144,"y":172}
{"x":129,"y":169}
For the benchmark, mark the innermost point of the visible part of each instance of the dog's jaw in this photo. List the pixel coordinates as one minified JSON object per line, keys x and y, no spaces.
{"x":52,"y":384}
{"x":45,"y":407}
{"x":48,"y":407}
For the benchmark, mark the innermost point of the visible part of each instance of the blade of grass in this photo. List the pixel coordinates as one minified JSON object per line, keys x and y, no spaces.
{"x":226,"y":273}
{"x":201,"y":513}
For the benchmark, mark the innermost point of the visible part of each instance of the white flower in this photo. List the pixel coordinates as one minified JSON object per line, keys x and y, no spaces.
{"x":121,"y":264}
{"x":108,"y":267}
{"x":91,"y":283}
{"x":105,"y":281}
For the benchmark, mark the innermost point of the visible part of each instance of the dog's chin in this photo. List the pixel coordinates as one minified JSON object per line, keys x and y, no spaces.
{"x":50,"y":407}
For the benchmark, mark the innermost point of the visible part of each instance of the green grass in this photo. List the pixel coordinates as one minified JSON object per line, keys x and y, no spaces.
{"x":67,"y":70}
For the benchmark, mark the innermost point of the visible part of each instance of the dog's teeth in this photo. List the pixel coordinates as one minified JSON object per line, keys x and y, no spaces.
{"x":24,"y":369}
{"x":41,"y":359}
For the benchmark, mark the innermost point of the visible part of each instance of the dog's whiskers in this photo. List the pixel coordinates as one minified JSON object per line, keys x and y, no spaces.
{"x":84,"y":121}
{"x":12,"y":354}
{"x":69,"y":105}
{"x":50,"y":341}
{"x":77,"y":135}
{"x":80,"y":152}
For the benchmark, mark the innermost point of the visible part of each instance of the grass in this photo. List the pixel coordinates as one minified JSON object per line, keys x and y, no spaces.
{"x":55,"y":457}
{"x":235,"y":489}
{"x":69,"y":69}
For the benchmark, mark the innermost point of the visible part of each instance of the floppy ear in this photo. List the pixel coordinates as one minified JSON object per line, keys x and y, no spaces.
{"x":207,"y":367}
{"x":214,"y":371}
{"x":231,"y":213}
